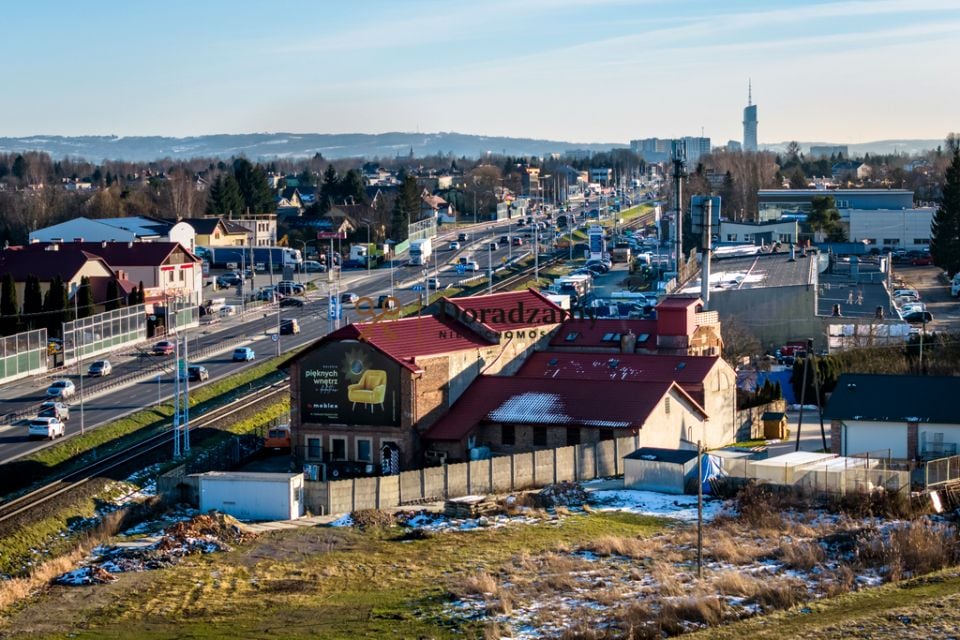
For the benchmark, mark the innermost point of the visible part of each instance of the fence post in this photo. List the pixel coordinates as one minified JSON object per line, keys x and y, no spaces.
{"x":554,"y":465}
{"x":513,"y":480}
{"x":616,"y":456}
{"x":533,"y":465}
{"x":490,"y":474}
{"x":378,"y":493}
{"x":469,"y":479}
{"x":446,"y":481}
{"x":596,"y":461}
{"x":423,"y":485}
{"x":576,"y":463}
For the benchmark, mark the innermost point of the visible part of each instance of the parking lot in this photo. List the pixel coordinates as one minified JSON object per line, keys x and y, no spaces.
{"x":934,"y":293}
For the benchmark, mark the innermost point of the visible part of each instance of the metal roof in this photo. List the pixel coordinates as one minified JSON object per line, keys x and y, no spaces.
{"x":653,"y":454}
{"x":895,"y":398}
{"x":632,"y":367}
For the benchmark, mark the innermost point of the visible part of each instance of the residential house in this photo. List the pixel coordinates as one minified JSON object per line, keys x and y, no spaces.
{"x":847,"y":170}
{"x":899,"y":416}
{"x":215,"y":231}
{"x":432,"y":206}
{"x":69,"y":261}
{"x":262,"y":226}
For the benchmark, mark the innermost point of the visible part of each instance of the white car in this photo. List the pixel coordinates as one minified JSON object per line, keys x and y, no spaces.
{"x":48,"y":428}
{"x":100,"y":368}
{"x":454,"y":246}
{"x":910,"y":307}
{"x":61,"y":389}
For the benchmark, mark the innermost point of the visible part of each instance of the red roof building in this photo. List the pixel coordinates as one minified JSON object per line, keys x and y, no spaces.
{"x":510,"y":414}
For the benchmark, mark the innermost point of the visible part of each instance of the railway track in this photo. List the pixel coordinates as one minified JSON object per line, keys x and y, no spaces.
{"x":78,"y":478}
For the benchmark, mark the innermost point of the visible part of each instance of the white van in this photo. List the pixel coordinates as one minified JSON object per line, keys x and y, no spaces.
{"x":228,"y":310}
{"x":214,"y":305}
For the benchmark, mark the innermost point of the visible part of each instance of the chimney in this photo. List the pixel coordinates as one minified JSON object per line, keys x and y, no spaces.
{"x":103,"y":244}
{"x":53,"y":247}
{"x":836,"y":311}
{"x":879,"y":313}
{"x":628,"y":342}
{"x":130,"y":245}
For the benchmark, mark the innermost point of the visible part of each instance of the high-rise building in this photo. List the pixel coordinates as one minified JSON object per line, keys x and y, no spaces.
{"x":750,"y":122}
{"x":696,"y":146}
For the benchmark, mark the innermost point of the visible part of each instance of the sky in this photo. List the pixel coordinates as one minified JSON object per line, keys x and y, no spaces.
{"x":573,"y":70}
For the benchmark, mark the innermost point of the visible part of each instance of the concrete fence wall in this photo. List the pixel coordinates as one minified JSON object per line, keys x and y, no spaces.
{"x":501,"y":474}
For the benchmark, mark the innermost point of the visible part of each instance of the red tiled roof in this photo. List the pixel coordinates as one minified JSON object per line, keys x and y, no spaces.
{"x":590,"y":332}
{"x":511,"y":310}
{"x":561,"y":365}
{"x":678,"y":302}
{"x":537,"y":401}
{"x":406,"y":339}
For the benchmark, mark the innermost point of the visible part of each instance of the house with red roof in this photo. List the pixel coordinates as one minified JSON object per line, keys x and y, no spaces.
{"x":371,"y":387}
{"x":70,"y":262}
{"x":681,"y":327}
{"x":707,"y":379}
{"x":166,"y":269}
{"x":512,"y":414}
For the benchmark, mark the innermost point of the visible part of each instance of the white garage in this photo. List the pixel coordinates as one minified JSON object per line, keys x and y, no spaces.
{"x":252,"y":496}
{"x":662,"y":470}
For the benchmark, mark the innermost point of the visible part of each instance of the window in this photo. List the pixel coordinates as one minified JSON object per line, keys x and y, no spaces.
{"x":572,"y":336}
{"x":508,"y":435}
{"x":183,"y":275}
{"x":314,"y":450}
{"x":573,"y":436}
{"x":731,"y":237}
{"x":365,"y":449}
{"x":539,"y":437}
{"x":666,"y":405}
{"x":169,"y":276}
{"x":338,"y":448}
{"x":921,"y":241}
{"x":893,"y":241}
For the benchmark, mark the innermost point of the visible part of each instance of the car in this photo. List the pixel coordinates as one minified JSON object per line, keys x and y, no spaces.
{"x":471,"y":265}
{"x":504,"y":240}
{"x":163,"y":348}
{"x":290,"y":288}
{"x":597,"y":266}
{"x":197,"y":373}
{"x":910,"y":307}
{"x":48,"y":428}
{"x":922,"y":261}
{"x":433,"y":283}
{"x":229,"y":279}
{"x":289,"y":326}
{"x":386,"y":302}
{"x":463,"y":237}
{"x":54,"y":409}
{"x":494,"y":246}
{"x":348,"y":298}
{"x":313,"y":266}
{"x":517,"y":242}
{"x":454,"y":246}
{"x":61,"y":389}
{"x":918,"y":317}
{"x":521,"y":222}
{"x":100,"y":368}
{"x":269,"y":295}
{"x":595,"y":269}
{"x":243,"y":354}
{"x":292,"y":302}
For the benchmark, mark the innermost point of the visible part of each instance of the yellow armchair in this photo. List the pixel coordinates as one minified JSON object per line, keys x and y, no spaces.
{"x":371,"y":389}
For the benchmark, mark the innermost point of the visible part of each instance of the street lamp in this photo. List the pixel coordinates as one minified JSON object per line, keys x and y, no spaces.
{"x":78,"y":348}
{"x":368,"y":245}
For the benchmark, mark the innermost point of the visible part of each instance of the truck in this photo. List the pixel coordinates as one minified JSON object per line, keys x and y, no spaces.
{"x":577,"y":287}
{"x":280,"y":257}
{"x":420,"y":251}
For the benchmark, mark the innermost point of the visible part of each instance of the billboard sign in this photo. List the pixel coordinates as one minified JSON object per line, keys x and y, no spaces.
{"x":331,"y":235}
{"x":349,"y":382}
{"x":698,"y":207}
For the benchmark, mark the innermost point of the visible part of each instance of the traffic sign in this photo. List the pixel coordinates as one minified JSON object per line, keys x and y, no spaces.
{"x":461,"y":269}
{"x":275,"y":337}
{"x":417,"y":287}
{"x":334,"y":308}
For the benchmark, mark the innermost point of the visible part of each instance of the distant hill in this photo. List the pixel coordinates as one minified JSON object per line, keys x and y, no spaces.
{"x":909,"y":147}
{"x":289,"y":145}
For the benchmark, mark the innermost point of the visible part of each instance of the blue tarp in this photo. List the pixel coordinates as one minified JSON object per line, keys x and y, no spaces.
{"x":712,"y":467}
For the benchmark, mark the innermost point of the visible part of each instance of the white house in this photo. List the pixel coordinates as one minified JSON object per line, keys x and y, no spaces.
{"x":905,"y":417}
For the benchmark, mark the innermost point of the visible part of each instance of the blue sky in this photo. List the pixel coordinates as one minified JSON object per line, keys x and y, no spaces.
{"x":580,"y":70}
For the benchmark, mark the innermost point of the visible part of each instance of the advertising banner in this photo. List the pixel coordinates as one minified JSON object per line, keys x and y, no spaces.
{"x":349,"y":382}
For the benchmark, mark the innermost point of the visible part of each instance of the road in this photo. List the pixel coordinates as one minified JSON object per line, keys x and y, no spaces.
{"x":254,"y":330}
{"x":934,"y":293}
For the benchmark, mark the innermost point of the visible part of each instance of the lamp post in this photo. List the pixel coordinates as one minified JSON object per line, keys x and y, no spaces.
{"x":303,"y":257}
{"x":368,"y":245}
{"x":78,"y":348}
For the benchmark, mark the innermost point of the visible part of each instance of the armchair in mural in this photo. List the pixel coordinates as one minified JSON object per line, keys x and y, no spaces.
{"x":371,"y":389}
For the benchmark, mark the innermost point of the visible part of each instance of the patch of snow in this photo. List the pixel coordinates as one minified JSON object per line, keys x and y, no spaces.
{"x":650,"y":503}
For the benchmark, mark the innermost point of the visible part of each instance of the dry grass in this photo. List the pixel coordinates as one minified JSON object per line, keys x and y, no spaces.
{"x":735,"y":583}
{"x":667,"y":578}
{"x":705,"y":610}
{"x":480,"y":583}
{"x":801,"y":555}
{"x":775,"y":594}
{"x":619,"y":546}
{"x":17,"y":589}
{"x":912,"y":549}
{"x":724,"y":547}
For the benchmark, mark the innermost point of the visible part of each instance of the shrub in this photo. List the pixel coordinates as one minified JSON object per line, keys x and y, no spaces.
{"x":779,"y":594}
{"x":801,"y":555}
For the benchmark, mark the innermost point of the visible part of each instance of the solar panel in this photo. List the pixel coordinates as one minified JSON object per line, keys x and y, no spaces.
{"x":572,"y":336}
{"x":553,"y":362}
{"x":613,"y":363}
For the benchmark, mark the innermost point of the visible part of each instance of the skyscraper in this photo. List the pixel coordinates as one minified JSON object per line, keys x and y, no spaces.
{"x":750,"y":121}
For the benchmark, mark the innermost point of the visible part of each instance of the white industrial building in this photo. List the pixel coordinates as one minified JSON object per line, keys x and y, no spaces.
{"x":887,"y":228}
{"x":128,"y":229}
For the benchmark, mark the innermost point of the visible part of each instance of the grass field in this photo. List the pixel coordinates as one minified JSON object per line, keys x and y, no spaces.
{"x":316,"y":583}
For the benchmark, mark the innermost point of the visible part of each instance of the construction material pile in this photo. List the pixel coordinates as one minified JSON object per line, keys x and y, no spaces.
{"x":200,"y":534}
{"x":561,"y":494}
{"x":470,"y":507}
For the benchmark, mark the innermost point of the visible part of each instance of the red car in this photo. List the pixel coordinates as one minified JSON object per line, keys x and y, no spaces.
{"x":922,"y":261}
{"x":163,"y":348}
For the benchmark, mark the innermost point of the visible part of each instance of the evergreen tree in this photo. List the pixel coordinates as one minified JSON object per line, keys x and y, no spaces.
{"x":9,"y":308}
{"x":329,"y":190}
{"x":19,"y":168}
{"x":84,"y":295}
{"x":114,"y":299}
{"x":352,"y":188}
{"x":945,"y":227}
{"x":225,"y":197}
{"x":823,"y":215}
{"x":55,"y":307}
{"x":254,"y":187}
{"x":32,"y":303}
{"x":406,"y":209}
{"x":797,"y":179}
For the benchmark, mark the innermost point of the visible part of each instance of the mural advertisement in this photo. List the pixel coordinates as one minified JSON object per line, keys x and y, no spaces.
{"x":349,"y":382}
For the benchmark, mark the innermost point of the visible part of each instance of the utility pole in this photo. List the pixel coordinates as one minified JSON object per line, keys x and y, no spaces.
{"x":185,"y":426}
{"x":679,"y":173}
{"x":176,"y":399}
{"x":699,"y":510}
{"x":816,"y":388}
{"x":803,"y":399}
{"x":490,"y":266}
{"x":79,"y":350}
